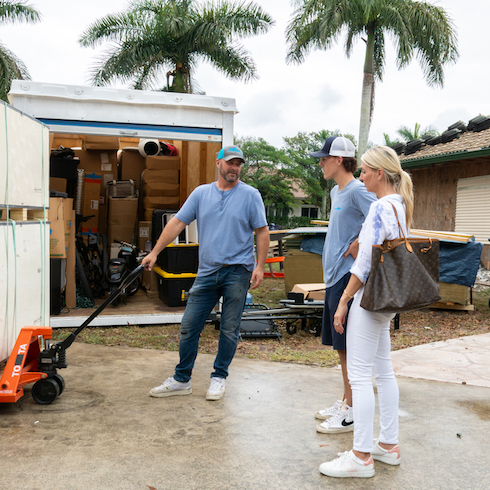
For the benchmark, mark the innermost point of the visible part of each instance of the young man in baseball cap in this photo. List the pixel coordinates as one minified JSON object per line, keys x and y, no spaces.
{"x":350,"y":202}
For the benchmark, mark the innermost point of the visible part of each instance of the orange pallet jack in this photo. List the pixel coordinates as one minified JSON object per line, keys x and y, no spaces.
{"x":28,"y":363}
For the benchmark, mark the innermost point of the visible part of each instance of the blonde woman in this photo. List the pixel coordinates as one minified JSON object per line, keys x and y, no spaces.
{"x":368,"y":333}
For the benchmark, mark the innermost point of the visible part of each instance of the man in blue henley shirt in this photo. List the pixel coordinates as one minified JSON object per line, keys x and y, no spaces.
{"x":227,"y":211}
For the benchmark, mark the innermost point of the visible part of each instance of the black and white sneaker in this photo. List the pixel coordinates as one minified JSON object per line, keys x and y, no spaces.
{"x":342,"y":421}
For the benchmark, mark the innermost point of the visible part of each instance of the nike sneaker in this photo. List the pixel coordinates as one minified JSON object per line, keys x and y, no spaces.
{"x":342,"y":421}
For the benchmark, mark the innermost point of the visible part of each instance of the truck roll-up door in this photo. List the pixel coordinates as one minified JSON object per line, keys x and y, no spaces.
{"x":132,"y":130}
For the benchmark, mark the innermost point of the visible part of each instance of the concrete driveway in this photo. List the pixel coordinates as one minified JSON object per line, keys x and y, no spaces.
{"x":105,"y":432}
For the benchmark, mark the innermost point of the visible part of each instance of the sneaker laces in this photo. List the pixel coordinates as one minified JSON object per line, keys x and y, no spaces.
{"x":216,"y":384}
{"x":337,"y":418}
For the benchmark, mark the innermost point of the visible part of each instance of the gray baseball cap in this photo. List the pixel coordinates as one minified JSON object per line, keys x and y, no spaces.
{"x":229,"y":152}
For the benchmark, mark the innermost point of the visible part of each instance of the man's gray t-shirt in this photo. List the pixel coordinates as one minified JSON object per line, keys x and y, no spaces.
{"x":225,"y":224}
{"x":347,"y":214}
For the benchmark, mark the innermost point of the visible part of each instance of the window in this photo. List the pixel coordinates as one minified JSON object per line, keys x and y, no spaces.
{"x":309,"y":212}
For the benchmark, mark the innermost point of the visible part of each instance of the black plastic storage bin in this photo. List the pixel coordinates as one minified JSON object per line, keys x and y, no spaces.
{"x":178,"y":259}
{"x":172,"y":287}
{"x":159,"y":218}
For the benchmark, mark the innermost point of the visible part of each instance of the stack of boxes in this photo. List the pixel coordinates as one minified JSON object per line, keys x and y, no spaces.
{"x":24,"y":229}
{"x":160,"y":184}
{"x":131,"y":218}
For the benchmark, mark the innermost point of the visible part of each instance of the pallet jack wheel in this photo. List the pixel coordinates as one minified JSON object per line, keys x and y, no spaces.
{"x":45,"y":391}
{"x":291,"y":328}
{"x":61,"y":382}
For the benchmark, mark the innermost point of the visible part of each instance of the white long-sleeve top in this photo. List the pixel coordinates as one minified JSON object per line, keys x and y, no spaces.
{"x":380,"y":225}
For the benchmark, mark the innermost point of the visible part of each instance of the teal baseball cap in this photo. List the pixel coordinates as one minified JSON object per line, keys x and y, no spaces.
{"x":229,"y":152}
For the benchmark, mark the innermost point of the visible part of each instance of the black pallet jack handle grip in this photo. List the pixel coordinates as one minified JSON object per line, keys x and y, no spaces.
{"x":129,"y":279}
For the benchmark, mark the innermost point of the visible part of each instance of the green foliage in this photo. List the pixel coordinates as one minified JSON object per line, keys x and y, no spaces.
{"x":411,"y":134}
{"x":298,"y":149}
{"x":11,"y":67}
{"x":276,"y":171}
{"x":156,"y":37}
{"x":289,"y":222}
{"x":388,"y":141}
{"x":268,"y":170}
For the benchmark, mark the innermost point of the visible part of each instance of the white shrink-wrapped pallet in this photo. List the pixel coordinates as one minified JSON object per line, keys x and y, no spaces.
{"x":24,"y":160}
{"x":24,"y":287}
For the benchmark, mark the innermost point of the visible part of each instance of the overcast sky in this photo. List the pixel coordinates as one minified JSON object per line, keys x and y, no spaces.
{"x":322,"y":93}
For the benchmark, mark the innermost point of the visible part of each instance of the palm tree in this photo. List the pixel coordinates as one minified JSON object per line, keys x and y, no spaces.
{"x":12,"y":67}
{"x":419,"y":29}
{"x":388,"y":141}
{"x":411,"y":134}
{"x":153,"y":36}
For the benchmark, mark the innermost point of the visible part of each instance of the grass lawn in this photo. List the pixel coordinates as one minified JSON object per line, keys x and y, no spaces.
{"x":303,"y":347}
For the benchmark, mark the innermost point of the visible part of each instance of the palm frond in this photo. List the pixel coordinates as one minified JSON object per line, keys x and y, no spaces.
{"x":17,"y":12}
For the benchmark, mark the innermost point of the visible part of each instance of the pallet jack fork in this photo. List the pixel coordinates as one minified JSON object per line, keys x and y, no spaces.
{"x":29,"y":364}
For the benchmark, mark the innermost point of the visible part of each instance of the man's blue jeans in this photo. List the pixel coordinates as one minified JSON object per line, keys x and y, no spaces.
{"x":232,"y":284}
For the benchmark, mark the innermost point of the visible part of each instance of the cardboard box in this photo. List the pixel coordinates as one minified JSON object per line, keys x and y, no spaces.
{"x":144,"y":234}
{"x":160,"y":202}
{"x":314,"y":291}
{"x":131,"y":165}
{"x":302,"y":268}
{"x":60,"y":216}
{"x":454,"y":293}
{"x":57,"y":184}
{"x":121,"y":219}
{"x":103,"y":163}
{"x":157,"y":190}
{"x":91,"y":197}
{"x":25,"y":284}
{"x":160,"y":176}
{"x":57,"y":246}
{"x":24,"y":159}
{"x":71,"y":286}
{"x":162,"y":163}
{"x":100,"y":143}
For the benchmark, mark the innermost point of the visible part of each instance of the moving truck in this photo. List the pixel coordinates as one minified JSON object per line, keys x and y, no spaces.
{"x":104,"y":127}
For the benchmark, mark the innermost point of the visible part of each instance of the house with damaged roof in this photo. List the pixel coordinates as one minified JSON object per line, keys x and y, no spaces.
{"x":451,"y":177}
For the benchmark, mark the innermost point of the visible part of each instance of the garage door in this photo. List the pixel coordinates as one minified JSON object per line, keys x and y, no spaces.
{"x":473,"y":207}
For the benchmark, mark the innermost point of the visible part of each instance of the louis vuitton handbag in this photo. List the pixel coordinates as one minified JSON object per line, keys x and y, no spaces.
{"x":404,"y":275}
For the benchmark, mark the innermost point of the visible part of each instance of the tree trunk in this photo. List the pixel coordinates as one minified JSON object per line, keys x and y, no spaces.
{"x":367,"y":102}
{"x":324,"y":205}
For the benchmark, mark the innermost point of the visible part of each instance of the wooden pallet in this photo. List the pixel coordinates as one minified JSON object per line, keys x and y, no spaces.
{"x":21,"y":214}
{"x":453,"y":306}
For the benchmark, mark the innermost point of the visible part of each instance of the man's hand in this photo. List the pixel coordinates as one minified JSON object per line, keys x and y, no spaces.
{"x":257,"y":278}
{"x":149,"y":261}
{"x":353,"y":249}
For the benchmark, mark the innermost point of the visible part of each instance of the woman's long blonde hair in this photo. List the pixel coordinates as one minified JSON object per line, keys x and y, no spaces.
{"x":386,"y":159}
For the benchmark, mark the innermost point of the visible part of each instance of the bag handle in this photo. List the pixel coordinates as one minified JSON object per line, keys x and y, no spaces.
{"x":400,"y":229}
{"x":407,"y":243}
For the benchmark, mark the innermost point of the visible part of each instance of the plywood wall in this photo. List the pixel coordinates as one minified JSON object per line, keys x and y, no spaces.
{"x":435,"y":195}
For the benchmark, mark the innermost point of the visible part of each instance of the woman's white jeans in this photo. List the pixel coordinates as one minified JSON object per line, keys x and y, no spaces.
{"x":369,"y":354}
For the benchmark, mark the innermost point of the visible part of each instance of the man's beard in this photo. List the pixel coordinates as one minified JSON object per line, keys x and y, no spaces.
{"x":229,"y":176}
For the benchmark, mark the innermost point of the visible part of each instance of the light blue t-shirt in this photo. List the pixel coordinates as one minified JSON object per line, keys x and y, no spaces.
{"x":347,"y":214}
{"x":225,"y":224}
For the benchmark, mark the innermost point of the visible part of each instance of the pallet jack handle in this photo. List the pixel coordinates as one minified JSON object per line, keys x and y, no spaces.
{"x":117,"y":292}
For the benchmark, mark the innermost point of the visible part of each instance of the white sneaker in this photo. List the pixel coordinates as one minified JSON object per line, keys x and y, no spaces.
{"x":388,"y":456}
{"x":348,"y":466}
{"x":216,"y":389}
{"x":329,"y":412}
{"x":342,"y":421}
{"x":171,"y":387}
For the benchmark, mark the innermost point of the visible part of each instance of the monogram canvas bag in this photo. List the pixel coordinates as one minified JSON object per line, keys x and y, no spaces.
{"x":404,"y":275}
